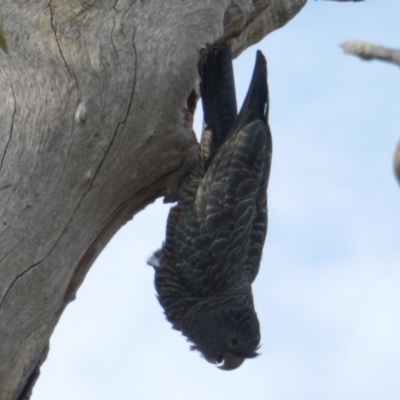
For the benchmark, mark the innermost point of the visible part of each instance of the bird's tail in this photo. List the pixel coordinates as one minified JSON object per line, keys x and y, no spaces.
{"x":255,"y":105}
{"x":217,"y":89}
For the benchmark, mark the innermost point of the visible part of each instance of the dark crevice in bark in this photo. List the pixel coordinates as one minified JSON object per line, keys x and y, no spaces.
{"x":59,"y":48}
{"x":21,"y":275}
{"x":111,"y":36}
{"x":121,"y":123}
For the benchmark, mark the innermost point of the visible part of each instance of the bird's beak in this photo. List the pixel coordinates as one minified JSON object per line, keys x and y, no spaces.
{"x":231,"y":362}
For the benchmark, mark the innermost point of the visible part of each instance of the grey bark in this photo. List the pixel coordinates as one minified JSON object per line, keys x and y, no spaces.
{"x":368,"y":51}
{"x":95,"y":123}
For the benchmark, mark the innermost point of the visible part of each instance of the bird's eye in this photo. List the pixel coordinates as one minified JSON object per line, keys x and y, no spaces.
{"x":234,"y":341}
{"x":220,"y":359}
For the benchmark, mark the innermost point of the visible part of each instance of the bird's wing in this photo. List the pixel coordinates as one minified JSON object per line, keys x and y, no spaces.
{"x":230,"y":204}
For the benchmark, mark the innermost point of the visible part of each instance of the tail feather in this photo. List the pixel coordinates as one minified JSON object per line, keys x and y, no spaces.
{"x":255,"y":105}
{"x":218,"y":95}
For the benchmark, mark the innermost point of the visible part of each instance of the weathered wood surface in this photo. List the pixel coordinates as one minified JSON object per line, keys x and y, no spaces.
{"x":94,"y":124}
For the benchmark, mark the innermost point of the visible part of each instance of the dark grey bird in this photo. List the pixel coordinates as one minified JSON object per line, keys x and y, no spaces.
{"x":216,"y":232}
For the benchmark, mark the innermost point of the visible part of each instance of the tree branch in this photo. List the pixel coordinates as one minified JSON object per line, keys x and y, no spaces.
{"x":397,"y":162}
{"x":368,"y":51}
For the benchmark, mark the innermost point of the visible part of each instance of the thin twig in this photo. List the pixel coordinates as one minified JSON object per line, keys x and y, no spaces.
{"x":397,"y":162}
{"x":369,"y":51}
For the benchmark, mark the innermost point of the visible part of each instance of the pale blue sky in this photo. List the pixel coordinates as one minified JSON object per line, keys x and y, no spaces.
{"x":327,"y":295}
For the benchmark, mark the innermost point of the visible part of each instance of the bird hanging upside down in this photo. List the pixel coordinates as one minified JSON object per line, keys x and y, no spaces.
{"x":216,"y":232}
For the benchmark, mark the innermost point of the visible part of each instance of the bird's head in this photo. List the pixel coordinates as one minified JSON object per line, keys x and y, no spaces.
{"x":225,"y":335}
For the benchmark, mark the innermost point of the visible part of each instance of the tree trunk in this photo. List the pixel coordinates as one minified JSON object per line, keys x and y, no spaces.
{"x":95,"y":122}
